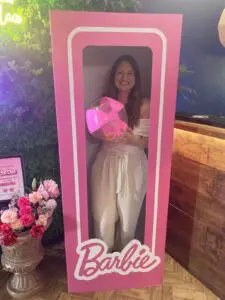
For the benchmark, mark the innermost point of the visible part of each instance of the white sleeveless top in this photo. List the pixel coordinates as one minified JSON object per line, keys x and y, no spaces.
{"x":142,"y":129}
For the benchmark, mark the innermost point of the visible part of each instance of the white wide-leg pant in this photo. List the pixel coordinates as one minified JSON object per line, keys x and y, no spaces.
{"x":118,"y":189}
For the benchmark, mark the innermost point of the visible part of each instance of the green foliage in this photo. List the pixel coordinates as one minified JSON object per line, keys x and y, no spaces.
{"x":27,"y":118}
{"x":27,"y":106}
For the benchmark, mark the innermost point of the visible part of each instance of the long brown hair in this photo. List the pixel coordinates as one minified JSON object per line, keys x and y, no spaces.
{"x":133,"y":105}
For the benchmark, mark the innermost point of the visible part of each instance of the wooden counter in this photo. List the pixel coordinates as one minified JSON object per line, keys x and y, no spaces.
{"x":196,"y":220}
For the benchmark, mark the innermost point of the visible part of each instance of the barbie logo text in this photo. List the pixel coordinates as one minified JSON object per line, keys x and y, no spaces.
{"x":95,"y":261}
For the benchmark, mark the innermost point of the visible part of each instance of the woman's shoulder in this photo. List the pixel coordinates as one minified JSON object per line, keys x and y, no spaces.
{"x":145,"y":108}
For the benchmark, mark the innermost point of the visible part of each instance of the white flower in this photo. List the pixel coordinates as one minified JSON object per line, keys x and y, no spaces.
{"x":43,"y":192}
{"x":52,"y":188}
{"x":9,"y":216}
{"x":51,"y":204}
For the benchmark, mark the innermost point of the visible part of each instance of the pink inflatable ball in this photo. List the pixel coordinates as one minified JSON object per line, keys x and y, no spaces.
{"x":106,"y":119}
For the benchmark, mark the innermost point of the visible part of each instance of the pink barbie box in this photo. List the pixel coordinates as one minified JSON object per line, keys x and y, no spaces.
{"x":90,"y":266}
{"x":107,"y":119}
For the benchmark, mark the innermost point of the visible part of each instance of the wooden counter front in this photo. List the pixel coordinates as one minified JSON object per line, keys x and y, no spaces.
{"x":196,"y":220}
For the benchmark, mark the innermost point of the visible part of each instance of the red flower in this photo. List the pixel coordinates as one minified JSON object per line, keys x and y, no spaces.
{"x":9,"y":239}
{"x":23,"y":201}
{"x":25,"y":210}
{"x":27,"y":220}
{"x":5,"y":229}
{"x":37,"y":231}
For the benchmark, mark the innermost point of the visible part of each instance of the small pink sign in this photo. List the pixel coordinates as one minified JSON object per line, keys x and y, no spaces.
{"x":90,"y":264}
{"x":11,"y":177}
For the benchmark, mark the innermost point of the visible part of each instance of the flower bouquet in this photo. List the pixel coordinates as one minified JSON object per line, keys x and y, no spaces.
{"x":22,"y":226}
{"x":30,"y":213}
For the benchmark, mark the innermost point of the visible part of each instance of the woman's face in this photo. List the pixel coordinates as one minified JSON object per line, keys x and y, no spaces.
{"x":124,"y":78}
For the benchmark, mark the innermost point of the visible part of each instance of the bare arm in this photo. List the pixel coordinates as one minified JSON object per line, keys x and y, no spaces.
{"x":138,"y":140}
{"x":142,"y":141}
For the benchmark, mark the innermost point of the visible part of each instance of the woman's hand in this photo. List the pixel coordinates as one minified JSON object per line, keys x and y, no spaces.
{"x":128,"y":138}
{"x":131,"y":139}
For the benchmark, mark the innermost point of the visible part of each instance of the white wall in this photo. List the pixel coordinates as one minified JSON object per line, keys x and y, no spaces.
{"x":97,"y":62}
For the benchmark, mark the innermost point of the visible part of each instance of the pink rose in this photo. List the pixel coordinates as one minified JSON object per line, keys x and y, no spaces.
{"x":27,"y":220}
{"x":52,"y":188}
{"x":7,"y":237}
{"x":23,"y":201}
{"x":42,"y":202}
{"x":25,"y":210}
{"x":37,"y":231}
{"x":5,"y":229}
{"x":17,"y":225}
{"x":9,"y":216}
{"x":50,"y":213}
{"x":35,"y":197}
{"x":14,"y":209}
{"x":42,"y":220}
{"x":9,"y":240}
{"x":43,"y":192}
{"x":39,"y":210}
{"x":54,"y":193}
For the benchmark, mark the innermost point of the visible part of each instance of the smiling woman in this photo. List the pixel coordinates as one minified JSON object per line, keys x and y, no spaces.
{"x":119,"y":171}
{"x":125,"y":78}
{"x":125,"y":86}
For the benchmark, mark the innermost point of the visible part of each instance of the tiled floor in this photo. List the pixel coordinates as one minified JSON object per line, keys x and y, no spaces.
{"x":178,"y":284}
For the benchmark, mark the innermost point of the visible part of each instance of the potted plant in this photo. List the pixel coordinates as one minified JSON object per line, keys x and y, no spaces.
{"x":22,"y":226}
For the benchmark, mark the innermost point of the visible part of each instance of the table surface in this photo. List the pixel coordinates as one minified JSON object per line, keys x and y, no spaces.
{"x":201,"y":128}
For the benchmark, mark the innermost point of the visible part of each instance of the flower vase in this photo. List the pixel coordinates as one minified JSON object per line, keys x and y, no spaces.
{"x":21,"y":259}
